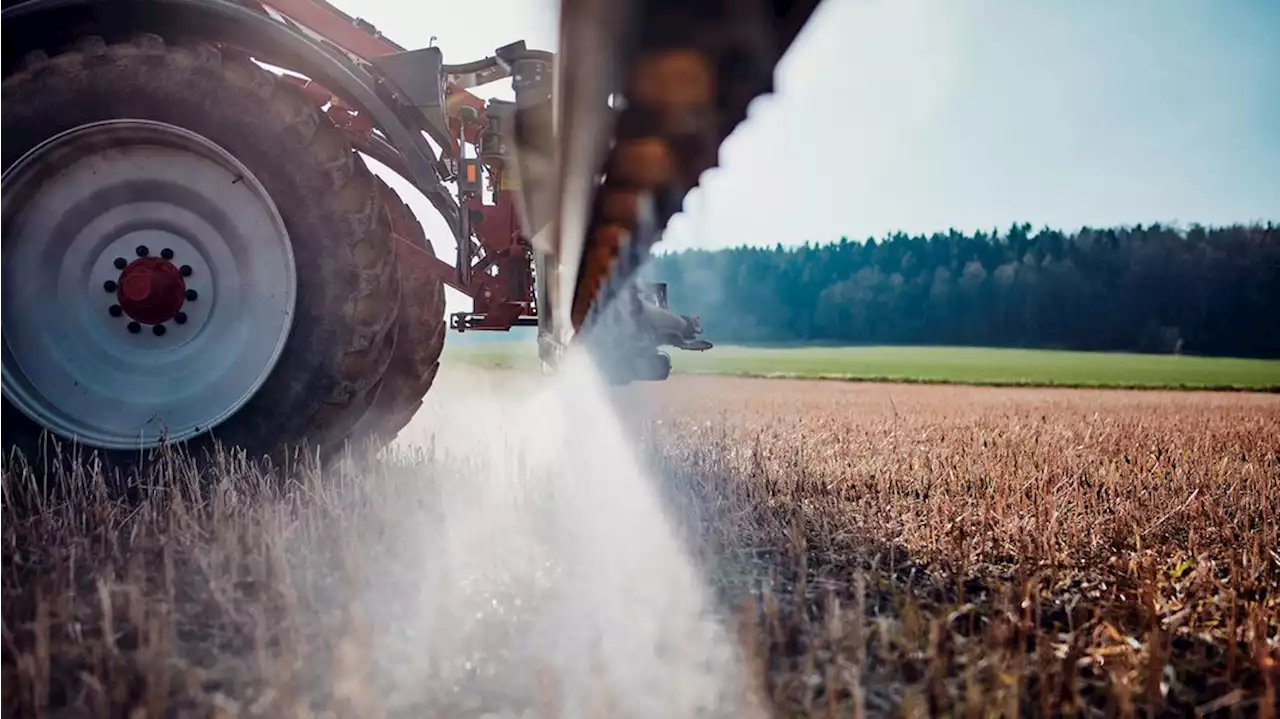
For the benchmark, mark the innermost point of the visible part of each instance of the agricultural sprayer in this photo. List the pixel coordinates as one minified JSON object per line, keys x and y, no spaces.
{"x":195,"y":251}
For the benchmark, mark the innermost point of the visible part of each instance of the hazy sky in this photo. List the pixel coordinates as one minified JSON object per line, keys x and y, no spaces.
{"x":921,"y":115}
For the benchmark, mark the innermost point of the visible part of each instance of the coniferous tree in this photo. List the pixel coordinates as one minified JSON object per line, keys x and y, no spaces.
{"x":1213,"y":291}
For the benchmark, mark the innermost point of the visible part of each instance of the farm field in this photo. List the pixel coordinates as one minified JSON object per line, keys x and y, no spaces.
{"x":1021,"y":550}
{"x":879,"y":549}
{"x":947,"y":365}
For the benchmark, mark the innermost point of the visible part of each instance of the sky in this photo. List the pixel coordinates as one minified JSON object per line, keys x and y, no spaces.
{"x":923,"y":115}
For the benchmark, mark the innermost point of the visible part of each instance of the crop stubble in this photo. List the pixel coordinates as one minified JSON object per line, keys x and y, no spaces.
{"x":882,"y":550}
{"x":951,"y":549}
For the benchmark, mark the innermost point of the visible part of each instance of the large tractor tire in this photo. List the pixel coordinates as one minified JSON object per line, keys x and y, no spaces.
{"x":420,"y":332}
{"x":192,"y":254}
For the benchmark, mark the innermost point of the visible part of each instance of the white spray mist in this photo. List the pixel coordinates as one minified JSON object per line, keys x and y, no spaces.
{"x":531,"y":570}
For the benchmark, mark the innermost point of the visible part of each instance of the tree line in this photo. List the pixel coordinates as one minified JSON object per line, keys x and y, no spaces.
{"x":1210,"y":291}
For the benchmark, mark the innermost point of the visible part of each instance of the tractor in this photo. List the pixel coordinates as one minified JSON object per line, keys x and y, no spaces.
{"x":195,"y":251}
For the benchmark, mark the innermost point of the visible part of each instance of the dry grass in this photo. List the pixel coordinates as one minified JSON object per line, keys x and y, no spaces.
{"x":971,"y":551}
{"x":885,"y":550}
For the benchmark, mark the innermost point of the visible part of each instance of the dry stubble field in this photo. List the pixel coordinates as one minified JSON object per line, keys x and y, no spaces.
{"x":881,"y":550}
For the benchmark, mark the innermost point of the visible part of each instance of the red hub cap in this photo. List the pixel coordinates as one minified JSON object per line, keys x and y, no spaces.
{"x":151,"y":290}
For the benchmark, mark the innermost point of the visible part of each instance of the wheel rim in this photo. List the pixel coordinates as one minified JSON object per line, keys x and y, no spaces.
{"x":149,"y":284}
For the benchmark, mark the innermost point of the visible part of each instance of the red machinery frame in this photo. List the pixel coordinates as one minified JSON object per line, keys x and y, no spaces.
{"x":496,"y":268}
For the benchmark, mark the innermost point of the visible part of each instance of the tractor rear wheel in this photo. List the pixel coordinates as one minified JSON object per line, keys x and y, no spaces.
{"x":192,"y":253}
{"x":420,"y":331}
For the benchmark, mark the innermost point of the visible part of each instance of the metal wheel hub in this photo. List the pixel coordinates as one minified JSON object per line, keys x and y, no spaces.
{"x":151,"y":290}
{"x":148,"y":284}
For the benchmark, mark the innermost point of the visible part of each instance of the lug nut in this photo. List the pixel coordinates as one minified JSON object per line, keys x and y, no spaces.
{"x":180,"y":318}
{"x":191,"y":295}
{"x":115,"y":310}
{"x":109,"y":285}
{"x":120,"y":263}
{"x":135,"y":328}
{"x":166,"y":253}
{"x":185,"y":270}
{"x":142,"y":251}
{"x":158,"y":330}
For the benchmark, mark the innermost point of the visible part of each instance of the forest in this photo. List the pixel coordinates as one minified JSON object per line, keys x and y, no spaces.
{"x":1155,"y":289}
